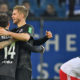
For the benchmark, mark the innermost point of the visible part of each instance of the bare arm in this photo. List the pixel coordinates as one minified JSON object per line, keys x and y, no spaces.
{"x":6,"y":43}
{"x":18,"y":36}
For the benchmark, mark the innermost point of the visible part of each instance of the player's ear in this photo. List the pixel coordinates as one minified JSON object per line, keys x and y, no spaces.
{"x":8,"y":25}
{"x":22,"y":15}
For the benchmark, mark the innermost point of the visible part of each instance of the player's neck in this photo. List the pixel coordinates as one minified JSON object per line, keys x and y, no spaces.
{"x":21,"y":23}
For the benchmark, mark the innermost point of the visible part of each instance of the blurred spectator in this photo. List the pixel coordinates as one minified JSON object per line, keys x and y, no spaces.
{"x":71,"y":8}
{"x":3,"y":1}
{"x":61,"y":2}
{"x":38,"y":3}
{"x":50,"y":11}
{"x":4,"y":8}
{"x":27,"y":5}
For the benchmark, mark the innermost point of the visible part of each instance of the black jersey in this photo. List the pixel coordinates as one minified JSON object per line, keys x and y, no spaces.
{"x":24,"y":53}
{"x":24,"y":59}
{"x":8,"y":58}
{"x":9,"y":55}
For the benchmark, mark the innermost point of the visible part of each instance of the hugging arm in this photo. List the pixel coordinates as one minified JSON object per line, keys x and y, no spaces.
{"x":40,"y":41}
{"x":37,"y":49}
{"x":6,"y":43}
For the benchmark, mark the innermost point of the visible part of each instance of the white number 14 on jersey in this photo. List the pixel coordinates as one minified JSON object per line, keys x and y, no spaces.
{"x":10,"y":51}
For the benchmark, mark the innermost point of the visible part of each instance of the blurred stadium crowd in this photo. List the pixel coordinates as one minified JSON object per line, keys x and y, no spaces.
{"x":38,"y":8}
{"x":43,"y":8}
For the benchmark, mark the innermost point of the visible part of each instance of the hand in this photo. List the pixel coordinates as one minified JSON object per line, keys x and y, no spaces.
{"x":49,"y":34}
{"x":4,"y":32}
{"x":1,"y":47}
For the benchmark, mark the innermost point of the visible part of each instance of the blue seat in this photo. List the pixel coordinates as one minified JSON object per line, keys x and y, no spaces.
{"x":11,"y":3}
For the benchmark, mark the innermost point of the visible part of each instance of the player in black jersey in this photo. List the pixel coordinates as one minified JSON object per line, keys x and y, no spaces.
{"x":24,"y":33}
{"x":7,"y":63}
{"x":8,"y":54}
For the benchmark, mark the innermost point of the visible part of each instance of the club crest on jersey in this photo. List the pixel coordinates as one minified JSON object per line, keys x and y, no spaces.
{"x":19,"y":31}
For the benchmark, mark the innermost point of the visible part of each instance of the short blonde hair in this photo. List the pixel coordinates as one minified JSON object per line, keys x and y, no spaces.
{"x":22,"y":9}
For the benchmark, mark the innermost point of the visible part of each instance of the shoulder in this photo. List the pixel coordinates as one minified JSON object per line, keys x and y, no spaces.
{"x":29,"y":26}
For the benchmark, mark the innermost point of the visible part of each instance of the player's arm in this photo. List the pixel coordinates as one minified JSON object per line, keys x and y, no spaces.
{"x":25,"y":35}
{"x":6,"y":43}
{"x":40,"y":41}
{"x":37,"y":49}
{"x":18,"y":36}
{"x":30,"y":46}
{"x":43,"y":39}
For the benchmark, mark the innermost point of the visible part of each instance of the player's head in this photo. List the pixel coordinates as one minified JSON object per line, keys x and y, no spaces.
{"x":4,"y":20}
{"x":19,"y":13}
{"x":4,"y":7}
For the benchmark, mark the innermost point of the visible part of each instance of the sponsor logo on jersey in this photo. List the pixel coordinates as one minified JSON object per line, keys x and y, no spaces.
{"x":5,"y":37}
{"x":7,"y":62}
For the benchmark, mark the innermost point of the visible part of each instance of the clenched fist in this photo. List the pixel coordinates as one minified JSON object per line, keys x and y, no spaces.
{"x":49,"y":34}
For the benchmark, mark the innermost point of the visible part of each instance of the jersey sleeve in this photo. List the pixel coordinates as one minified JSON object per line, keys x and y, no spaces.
{"x":37,"y":49}
{"x":40,"y":41}
{"x":29,"y":30}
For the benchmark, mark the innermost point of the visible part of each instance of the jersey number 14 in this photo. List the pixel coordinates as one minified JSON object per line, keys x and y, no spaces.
{"x":10,"y":51}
